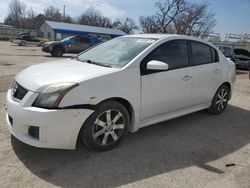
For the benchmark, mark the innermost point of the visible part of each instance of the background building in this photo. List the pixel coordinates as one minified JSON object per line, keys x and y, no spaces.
{"x":7,"y":31}
{"x":59,"y":30}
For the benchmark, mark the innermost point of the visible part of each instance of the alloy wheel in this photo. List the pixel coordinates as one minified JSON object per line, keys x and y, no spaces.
{"x":222,"y":99}
{"x":108,"y":127}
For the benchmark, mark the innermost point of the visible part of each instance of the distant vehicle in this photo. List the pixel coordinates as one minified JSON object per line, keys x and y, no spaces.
{"x":118,"y":86}
{"x":24,"y":39}
{"x":242,"y":59}
{"x":73,"y":44}
{"x":228,"y":51}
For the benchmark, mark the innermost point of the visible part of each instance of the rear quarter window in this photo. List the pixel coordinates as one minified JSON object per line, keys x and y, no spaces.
{"x":84,"y":40}
{"x":215,"y":56}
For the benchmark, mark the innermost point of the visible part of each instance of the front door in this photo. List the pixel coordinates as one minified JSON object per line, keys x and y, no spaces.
{"x":166,"y":91}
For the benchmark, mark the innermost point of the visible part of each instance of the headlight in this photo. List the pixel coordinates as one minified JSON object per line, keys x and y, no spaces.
{"x":51,"y":96}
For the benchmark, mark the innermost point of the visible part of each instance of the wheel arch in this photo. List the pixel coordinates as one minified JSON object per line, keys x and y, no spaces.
{"x":122,"y":101}
{"x":59,"y":46}
{"x":125,"y":103}
{"x":228,"y":84}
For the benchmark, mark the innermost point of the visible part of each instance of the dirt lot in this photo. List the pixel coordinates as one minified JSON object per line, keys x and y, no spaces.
{"x":191,"y":151}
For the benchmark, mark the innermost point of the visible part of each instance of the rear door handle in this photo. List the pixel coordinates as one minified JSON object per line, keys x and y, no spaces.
{"x":216,"y":71}
{"x":186,"y":77}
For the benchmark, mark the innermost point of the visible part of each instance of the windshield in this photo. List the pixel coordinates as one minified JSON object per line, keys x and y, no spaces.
{"x":117,"y":52}
{"x":67,"y":39}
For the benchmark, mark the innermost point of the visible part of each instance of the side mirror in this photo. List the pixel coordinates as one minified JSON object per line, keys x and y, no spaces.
{"x":157,"y":65}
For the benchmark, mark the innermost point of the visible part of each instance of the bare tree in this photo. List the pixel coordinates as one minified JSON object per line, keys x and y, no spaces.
{"x":16,"y":13}
{"x":162,"y":21}
{"x":53,"y":14}
{"x":68,"y":19}
{"x":29,"y":20}
{"x":127,"y":25}
{"x":179,"y":16}
{"x":196,"y":20}
{"x":94,"y":17}
{"x":166,"y":13}
{"x":148,"y":24}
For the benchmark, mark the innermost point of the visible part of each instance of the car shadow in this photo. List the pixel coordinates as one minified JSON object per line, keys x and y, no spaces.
{"x":239,"y":72}
{"x":65,"y":56}
{"x":192,"y":140}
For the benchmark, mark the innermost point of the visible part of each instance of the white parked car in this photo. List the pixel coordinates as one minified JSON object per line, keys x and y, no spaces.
{"x":26,"y":39}
{"x":118,"y":86}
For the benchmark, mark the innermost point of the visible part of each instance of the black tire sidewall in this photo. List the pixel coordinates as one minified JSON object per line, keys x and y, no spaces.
{"x":54,"y":52}
{"x":86,"y":133}
{"x":213,"y":108}
{"x":23,"y":43}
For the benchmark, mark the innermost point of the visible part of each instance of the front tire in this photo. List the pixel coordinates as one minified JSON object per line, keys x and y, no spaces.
{"x":106,"y":127}
{"x":220,"y":100}
{"x":40,"y":44}
{"x":57,"y":52}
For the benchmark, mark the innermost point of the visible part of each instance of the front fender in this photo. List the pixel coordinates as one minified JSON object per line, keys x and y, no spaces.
{"x":123,"y":84}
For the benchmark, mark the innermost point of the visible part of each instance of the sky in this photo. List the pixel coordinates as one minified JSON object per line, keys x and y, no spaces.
{"x":233,"y":16}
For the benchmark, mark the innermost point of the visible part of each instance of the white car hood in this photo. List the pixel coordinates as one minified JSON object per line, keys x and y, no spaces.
{"x":36,"y":77}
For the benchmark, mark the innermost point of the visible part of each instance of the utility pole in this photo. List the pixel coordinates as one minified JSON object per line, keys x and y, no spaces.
{"x":63,"y":11}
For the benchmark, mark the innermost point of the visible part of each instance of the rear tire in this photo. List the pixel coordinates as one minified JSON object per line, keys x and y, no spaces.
{"x":220,"y":100}
{"x":106,"y":127}
{"x":57,"y":52}
{"x":23,"y":43}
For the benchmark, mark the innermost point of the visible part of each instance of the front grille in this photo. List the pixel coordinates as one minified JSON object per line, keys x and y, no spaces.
{"x":18,"y":92}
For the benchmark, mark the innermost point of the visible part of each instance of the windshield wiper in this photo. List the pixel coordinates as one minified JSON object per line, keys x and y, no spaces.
{"x":75,"y":57}
{"x":100,"y":64}
{"x":96,"y":63}
{"x":91,"y":62}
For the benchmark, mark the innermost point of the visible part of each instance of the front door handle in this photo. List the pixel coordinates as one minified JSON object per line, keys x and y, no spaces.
{"x":186,"y":77}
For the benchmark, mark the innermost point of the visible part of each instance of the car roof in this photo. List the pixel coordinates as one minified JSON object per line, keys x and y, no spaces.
{"x":151,"y":36}
{"x":172,"y":36}
{"x":163,"y":36}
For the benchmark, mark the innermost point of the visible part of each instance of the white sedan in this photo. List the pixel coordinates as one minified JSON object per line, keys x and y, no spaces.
{"x":118,"y":86}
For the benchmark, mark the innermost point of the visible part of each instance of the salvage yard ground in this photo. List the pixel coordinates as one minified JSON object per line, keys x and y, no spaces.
{"x":197,"y":150}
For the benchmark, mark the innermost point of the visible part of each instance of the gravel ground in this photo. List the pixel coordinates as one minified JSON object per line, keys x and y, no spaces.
{"x":197,"y":150}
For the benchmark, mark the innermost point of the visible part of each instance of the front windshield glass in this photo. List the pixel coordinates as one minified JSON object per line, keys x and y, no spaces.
{"x":66,"y":39}
{"x":117,"y":52}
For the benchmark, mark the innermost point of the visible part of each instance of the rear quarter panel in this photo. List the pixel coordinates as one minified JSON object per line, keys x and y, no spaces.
{"x":229,"y":71}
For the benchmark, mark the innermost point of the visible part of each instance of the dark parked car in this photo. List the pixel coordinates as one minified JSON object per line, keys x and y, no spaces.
{"x":227,"y":51}
{"x":24,"y":39}
{"x":242,"y":58}
{"x":73,"y":44}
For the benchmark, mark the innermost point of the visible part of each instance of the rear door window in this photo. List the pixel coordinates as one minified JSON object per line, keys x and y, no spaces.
{"x":84,"y":40}
{"x":27,"y":38}
{"x":201,"y":53}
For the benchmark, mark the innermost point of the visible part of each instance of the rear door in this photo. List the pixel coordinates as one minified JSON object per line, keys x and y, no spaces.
{"x":80,"y":44}
{"x":73,"y":45}
{"x":206,"y":72}
{"x":85,"y":43}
